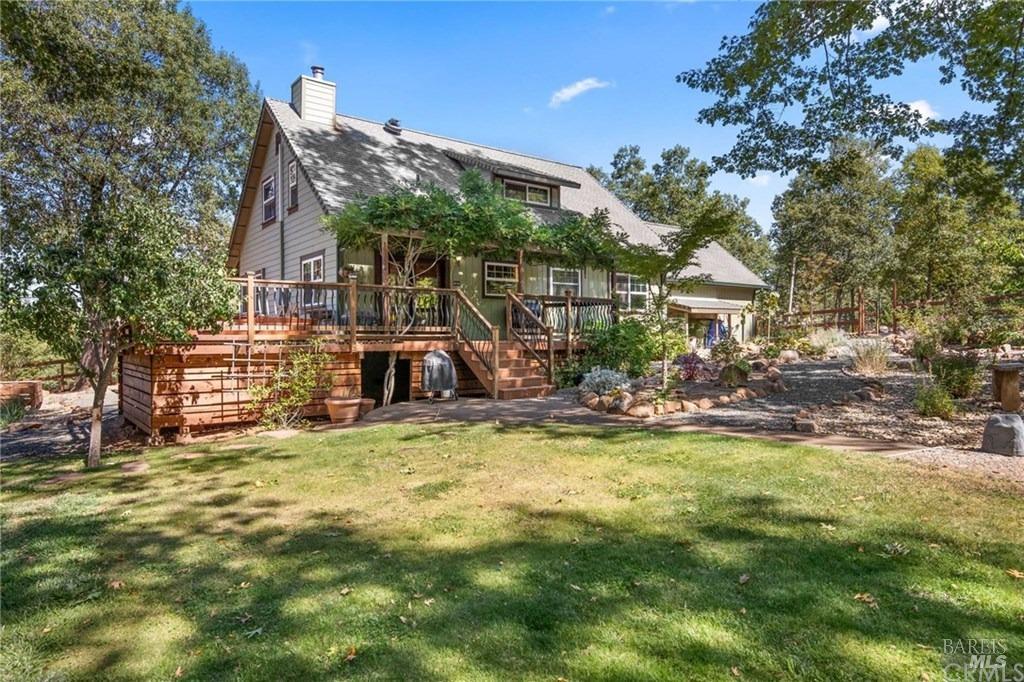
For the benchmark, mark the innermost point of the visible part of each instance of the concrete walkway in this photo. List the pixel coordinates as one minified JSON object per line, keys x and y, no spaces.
{"x":561,"y":409}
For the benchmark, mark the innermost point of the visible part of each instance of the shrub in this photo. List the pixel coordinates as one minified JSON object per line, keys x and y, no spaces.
{"x":570,"y":373}
{"x":925,"y":347}
{"x":871,"y":357}
{"x":960,"y":375}
{"x":771,"y":351}
{"x":827,"y":338}
{"x":626,"y":347}
{"x":602,"y":381}
{"x":743,"y":365}
{"x":934,"y":401}
{"x":691,"y":367}
{"x":18,"y":349}
{"x":10,"y":412}
{"x":726,"y":351}
{"x":291,"y":387}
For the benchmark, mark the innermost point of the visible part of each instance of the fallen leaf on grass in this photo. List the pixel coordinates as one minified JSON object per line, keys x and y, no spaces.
{"x":858,"y":498}
{"x":115,"y":584}
{"x":744,"y":579}
{"x":428,"y":602}
{"x":735,"y":670}
{"x":245,"y":618}
{"x":345,"y":591}
{"x":408,"y":621}
{"x":351,"y":654}
{"x":866,"y":598}
{"x":258,"y":483}
{"x":1015,"y":574}
{"x":254,"y":633}
{"x":827,"y":527}
{"x":576,"y":587}
{"x":179,"y":671}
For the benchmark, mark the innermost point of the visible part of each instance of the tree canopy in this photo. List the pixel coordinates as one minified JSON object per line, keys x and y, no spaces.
{"x":809,"y":73}
{"x":677,"y":188}
{"x":125,"y":136}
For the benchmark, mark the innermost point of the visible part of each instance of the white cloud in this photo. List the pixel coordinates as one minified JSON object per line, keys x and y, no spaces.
{"x":610,"y":9}
{"x":922,"y":107}
{"x":569,"y":92}
{"x":761,"y":179}
{"x":877,"y":26}
{"x":309,"y":52}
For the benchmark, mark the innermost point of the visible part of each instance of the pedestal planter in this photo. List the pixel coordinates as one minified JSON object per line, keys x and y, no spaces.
{"x":343,"y":410}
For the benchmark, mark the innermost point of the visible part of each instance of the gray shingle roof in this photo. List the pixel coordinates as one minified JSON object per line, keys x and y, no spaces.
{"x":358,"y":157}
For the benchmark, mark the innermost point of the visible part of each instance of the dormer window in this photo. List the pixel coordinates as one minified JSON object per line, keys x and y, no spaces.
{"x":538,"y":195}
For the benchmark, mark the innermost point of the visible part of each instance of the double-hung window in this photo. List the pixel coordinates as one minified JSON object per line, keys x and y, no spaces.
{"x":561,"y":279}
{"x":270,"y":199}
{"x":311,"y":269}
{"x":631,"y":292}
{"x":293,"y":184}
{"x":530,"y":194}
{"x":500,"y":278}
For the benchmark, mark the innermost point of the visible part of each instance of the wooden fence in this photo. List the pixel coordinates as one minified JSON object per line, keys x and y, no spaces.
{"x":66,"y":375}
{"x":868,"y":317}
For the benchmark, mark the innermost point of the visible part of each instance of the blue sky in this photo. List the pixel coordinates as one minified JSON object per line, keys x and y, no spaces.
{"x":491,"y":73}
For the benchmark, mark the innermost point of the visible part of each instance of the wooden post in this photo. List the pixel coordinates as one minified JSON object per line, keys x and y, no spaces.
{"x":895,"y":302}
{"x":496,"y":344}
{"x":520,"y":285}
{"x":456,"y":315}
{"x":250,"y":307}
{"x":385,"y":260}
{"x":508,"y":315}
{"x":353,"y":311}
{"x":551,"y":354}
{"x":568,"y":323}
{"x":861,"y":313}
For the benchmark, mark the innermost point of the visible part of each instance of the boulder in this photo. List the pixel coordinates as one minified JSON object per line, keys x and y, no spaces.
{"x":593,"y":402}
{"x":805,"y":426}
{"x":773,"y":373}
{"x":620,"y":404}
{"x":867,"y":394}
{"x":777,"y":386}
{"x":737,"y":397}
{"x":732,"y":375}
{"x":705,"y":403}
{"x":788,"y":356}
{"x":759,"y":365}
{"x":688,"y":406}
{"x":723,"y":400}
{"x":672,"y":406}
{"x":641,"y":409}
{"x":1004,"y":435}
{"x":746,"y":393}
{"x":587,"y":397}
{"x":603,"y":403}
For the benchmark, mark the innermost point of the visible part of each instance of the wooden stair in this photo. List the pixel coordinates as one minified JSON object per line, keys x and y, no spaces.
{"x":519,"y":373}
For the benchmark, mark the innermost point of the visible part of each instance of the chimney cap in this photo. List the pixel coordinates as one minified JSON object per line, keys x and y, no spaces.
{"x":393,"y":126}
{"x":318,"y":72}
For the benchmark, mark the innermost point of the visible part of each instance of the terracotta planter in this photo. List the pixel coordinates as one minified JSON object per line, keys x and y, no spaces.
{"x":365,"y":405}
{"x":343,"y":410}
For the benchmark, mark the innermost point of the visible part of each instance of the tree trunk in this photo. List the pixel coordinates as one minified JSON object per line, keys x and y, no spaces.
{"x":792,"y":283}
{"x":664,"y":368}
{"x":96,"y":424}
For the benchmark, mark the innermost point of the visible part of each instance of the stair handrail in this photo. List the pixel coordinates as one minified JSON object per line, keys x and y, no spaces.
{"x":489,"y":357}
{"x":514,"y":303}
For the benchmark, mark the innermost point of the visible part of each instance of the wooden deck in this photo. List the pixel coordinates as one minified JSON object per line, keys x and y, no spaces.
{"x":205,"y":383}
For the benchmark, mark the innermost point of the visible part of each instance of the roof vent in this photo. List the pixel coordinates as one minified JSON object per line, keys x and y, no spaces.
{"x":318,"y":72}
{"x":393,"y":126}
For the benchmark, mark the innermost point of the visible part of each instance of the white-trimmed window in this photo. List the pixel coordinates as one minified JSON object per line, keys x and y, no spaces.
{"x":293,"y":184}
{"x":500,"y":278}
{"x":631,"y":292}
{"x":530,"y":194}
{"x":270,"y":199}
{"x":311,"y":269}
{"x":562,"y":279}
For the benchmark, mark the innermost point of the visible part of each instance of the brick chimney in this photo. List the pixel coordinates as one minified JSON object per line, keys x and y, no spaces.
{"x":314,"y":99}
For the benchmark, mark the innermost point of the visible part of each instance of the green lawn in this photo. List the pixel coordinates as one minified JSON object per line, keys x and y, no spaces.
{"x":482,"y":552}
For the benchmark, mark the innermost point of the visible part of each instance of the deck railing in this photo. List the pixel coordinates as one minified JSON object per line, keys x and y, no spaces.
{"x":525,"y":328}
{"x":570,"y":317}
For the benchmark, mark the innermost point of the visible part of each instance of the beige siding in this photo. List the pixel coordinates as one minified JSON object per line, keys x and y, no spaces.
{"x":303,"y":232}
{"x":314,"y":100}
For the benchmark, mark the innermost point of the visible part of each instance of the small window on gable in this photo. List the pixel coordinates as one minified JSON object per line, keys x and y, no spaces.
{"x":500,"y":278}
{"x":530,"y":194}
{"x":562,"y":279}
{"x":270,"y":199}
{"x":293,"y":184}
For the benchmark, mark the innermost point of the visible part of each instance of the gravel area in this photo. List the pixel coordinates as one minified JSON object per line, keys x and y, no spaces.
{"x":60,"y":427}
{"x":992,"y":466}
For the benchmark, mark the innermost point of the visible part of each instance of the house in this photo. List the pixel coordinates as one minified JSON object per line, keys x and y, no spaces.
{"x":504,"y":323}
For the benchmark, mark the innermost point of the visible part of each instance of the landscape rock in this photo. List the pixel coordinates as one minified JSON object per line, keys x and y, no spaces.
{"x":705,"y":403}
{"x":805,"y":426}
{"x":603,"y":403}
{"x":688,"y":406}
{"x":620,"y":404}
{"x":737,"y":397}
{"x":788,"y":356}
{"x":587,"y":397}
{"x":672,"y":406}
{"x":867,"y":394}
{"x":759,"y":365}
{"x":593,"y":402}
{"x":1004,"y":435}
{"x":641,"y":409}
{"x":773,"y":373}
{"x":723,"y":400}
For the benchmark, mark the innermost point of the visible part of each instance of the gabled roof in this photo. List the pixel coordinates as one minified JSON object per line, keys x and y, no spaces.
{"x":358,"y":157}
